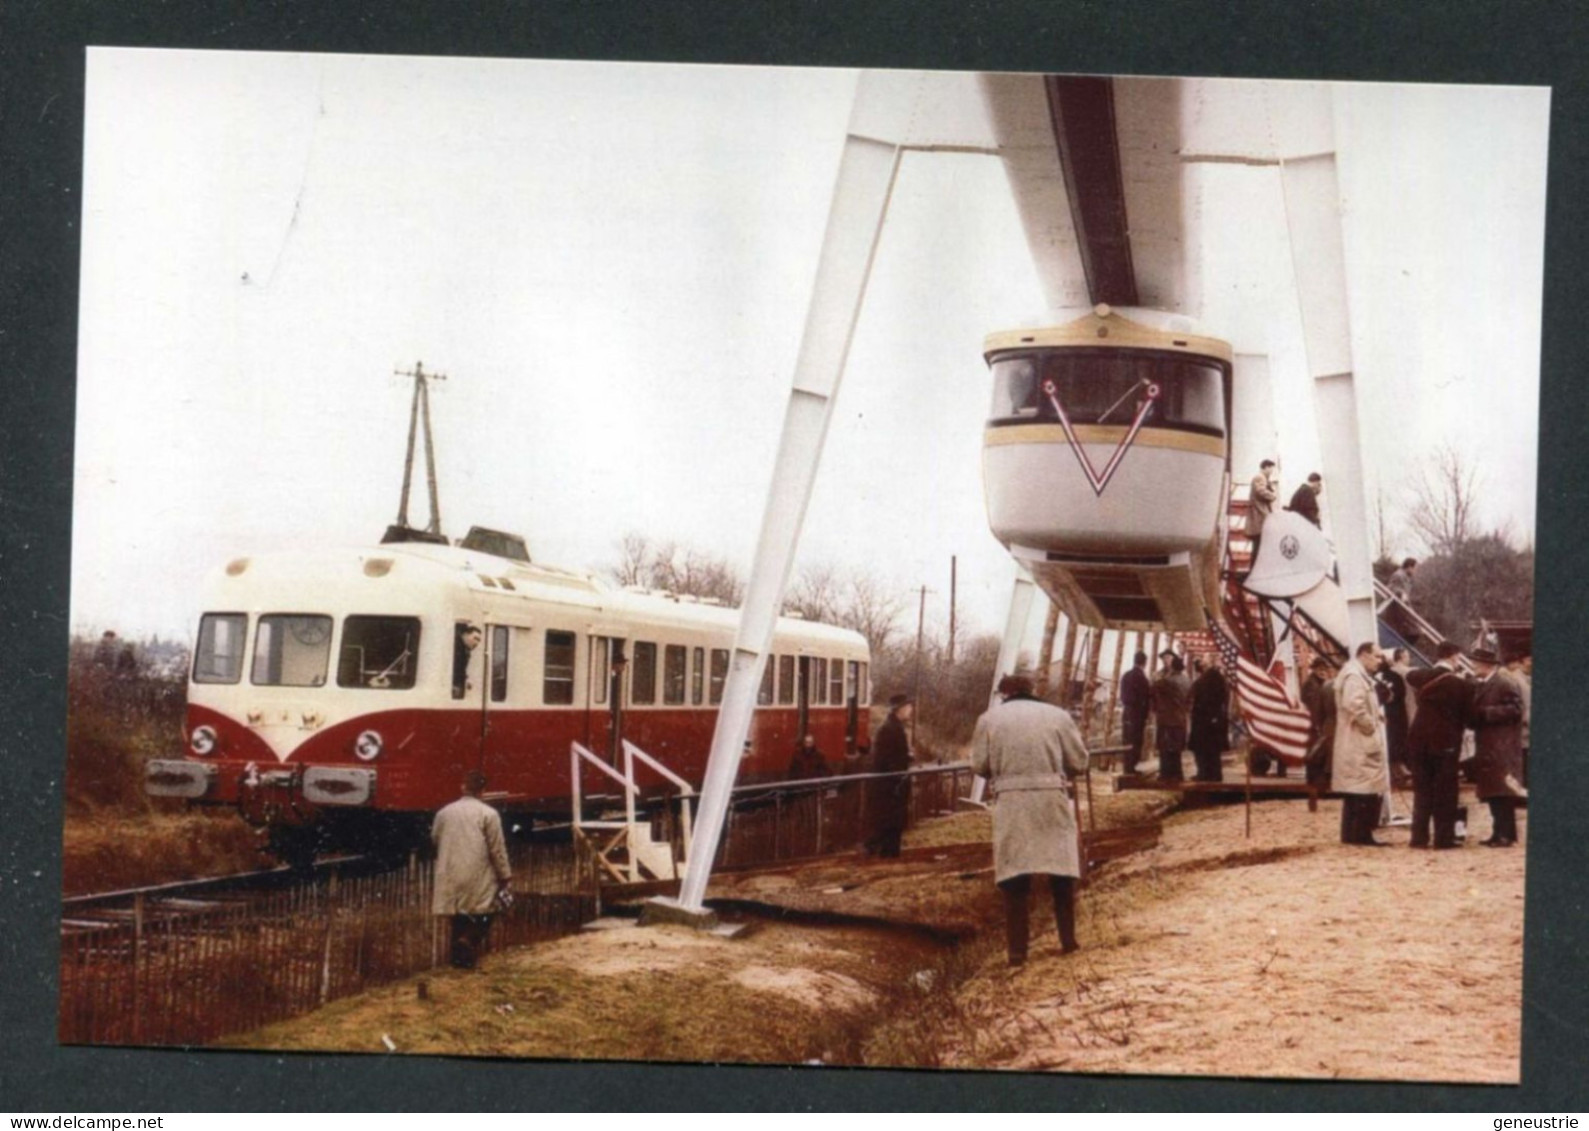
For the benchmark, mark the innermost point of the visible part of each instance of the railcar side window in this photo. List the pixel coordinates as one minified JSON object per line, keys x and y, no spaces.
{"x":643,"y":683}
{"x":558,"y":684}
{"x":719,"y":673}
{"x":378,"y":652}
{"x":697,"y":675}
{"x":786,"y":679}
{"x":600,"y":667}
{"x":673,"y":662}
{"x":764,"y":694}
{"x":219,"y":656}
{"x":291,"y":650}
{"x":863,"y":686}
{"x":836,"y":687}
{"x":819,"y":682}
{"x":499,"y":663}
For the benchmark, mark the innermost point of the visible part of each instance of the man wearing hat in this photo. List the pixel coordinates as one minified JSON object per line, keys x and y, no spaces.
{"x":472,"y":871}
{"x":888,"y":799}
{"x":1318,"y":696}
{"x":1025,"y":748}
{"x":1434,"y":746}
{"x":1172,"y":710}
{"x":1497,"y":722}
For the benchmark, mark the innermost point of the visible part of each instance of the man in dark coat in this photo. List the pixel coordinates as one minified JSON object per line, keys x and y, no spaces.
{"x":1135,"y":698}
{"x":1172,"y":708}
{"x":1210,"y":722}
{"x":1391,"y":686}
{"x":1305,"y":500}
{"x":888,"y":799}
{"x":1318,"y":696}
{"x":807,"y":761}
{"x":1434,"y":746}
{"x":1497,"y":722}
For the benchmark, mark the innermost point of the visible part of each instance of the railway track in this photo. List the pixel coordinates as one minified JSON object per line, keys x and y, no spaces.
{"x":96,"y":910}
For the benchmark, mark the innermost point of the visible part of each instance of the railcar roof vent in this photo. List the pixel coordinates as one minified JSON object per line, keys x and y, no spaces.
{"x":397,"y":533}
{"x":497,"y":542}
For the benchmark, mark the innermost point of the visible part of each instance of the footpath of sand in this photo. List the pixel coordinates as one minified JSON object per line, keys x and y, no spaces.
{"x":1286,"y":954}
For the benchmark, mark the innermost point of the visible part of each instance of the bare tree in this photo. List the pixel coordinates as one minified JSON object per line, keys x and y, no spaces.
{"x":872,"y":609}
{"x":815,"y":594}
{"x":1444,"y":509}
{"x":634,"y":560}
{"x":669,"y":567}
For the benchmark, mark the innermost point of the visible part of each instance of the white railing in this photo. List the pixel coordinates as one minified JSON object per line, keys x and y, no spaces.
{"x":631,"y":839}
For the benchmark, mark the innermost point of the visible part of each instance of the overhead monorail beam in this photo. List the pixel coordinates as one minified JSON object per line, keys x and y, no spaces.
{"x":1083,"y":114}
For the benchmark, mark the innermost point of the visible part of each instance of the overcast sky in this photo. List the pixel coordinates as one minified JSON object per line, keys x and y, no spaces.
{"x":612,"y":265}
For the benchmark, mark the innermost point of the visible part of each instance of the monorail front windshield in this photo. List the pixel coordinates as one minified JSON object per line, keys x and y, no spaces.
{"x":1105,"y":387}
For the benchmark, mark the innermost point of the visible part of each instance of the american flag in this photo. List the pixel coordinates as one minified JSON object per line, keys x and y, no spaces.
{"x":1274,"y":719}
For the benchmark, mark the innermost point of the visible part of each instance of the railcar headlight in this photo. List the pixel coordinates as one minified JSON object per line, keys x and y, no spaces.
{"x":367,"y":745}
{"x":202,"y":740}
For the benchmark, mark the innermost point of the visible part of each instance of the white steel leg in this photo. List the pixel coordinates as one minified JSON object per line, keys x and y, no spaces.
{"x":855,"y":220}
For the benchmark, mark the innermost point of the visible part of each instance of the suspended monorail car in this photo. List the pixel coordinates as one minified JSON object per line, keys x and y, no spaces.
{"x":1106,"y":464}
{"x":336,"y":698}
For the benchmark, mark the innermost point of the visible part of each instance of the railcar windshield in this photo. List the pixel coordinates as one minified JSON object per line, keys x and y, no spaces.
{"x":219,"y":656}
{"x":291,"y":650}
{"x":1106,"y":386}
{"x":378,"y":652}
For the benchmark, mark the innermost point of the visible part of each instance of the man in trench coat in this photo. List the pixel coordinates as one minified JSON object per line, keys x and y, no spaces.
{"x":1497,"y":722}
{"x":1025,"y":748}
{"x":1359,"y":765}
{"x":472,"y":869}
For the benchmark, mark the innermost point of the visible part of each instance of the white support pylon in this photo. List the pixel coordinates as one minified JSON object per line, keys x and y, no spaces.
{"x":1021,"y":598}
{"x":867,"y":169}
{"x":1304,"y":115}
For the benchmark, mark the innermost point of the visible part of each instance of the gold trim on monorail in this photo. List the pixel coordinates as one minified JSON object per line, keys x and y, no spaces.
{"x":1093,"y":331}
{"x":1110,"y":434}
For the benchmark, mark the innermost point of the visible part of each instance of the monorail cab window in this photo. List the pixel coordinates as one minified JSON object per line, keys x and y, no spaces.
{"x":1105,"y":387}
{"x":291,"y":650}
{"x":378,"y":652}
{"x":219,"y":656}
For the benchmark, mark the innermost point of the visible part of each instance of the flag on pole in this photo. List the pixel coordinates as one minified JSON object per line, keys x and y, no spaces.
{"x":1273,"y":717}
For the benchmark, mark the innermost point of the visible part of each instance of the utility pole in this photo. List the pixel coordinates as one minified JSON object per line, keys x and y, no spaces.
{"x":921,"y":621}
{"x":418,"y":407}
{"x":954,"y":565}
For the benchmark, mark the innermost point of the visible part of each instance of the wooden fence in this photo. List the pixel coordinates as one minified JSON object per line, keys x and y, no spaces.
{"x":181,"y":971}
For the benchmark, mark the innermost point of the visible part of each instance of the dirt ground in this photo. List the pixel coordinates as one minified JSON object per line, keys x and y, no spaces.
{"x":1284,"y":954}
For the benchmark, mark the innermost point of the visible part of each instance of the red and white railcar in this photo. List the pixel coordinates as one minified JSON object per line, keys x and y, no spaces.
{"x":334,"y":697}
